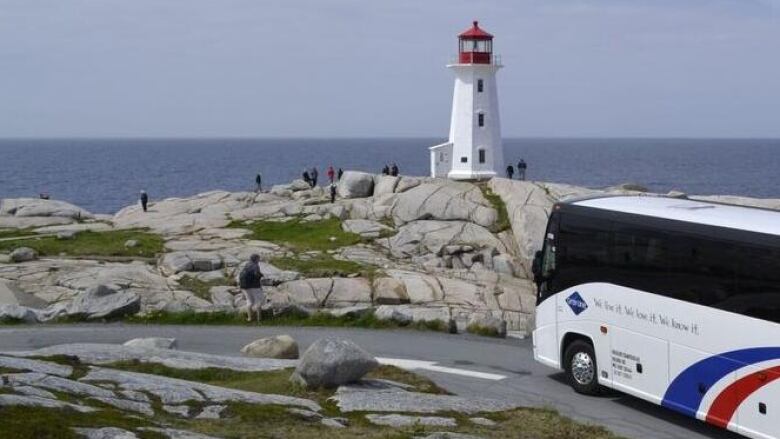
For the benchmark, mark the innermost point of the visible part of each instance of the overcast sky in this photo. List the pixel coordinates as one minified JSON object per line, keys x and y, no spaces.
{"x":370,"y":68}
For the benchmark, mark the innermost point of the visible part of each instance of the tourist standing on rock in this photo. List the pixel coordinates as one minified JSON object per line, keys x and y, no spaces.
{"x":306,"y":177}
{"x":339,"y":174}
{"x":394,"y":170}
{"x":510,"y":171}
{"x":314,"y":176}
{"x":386,"y":170}
{"x":144,"y":200}
{"x":250,"y":283}
{"x":521,"y":167}
{"x":333,"y":193}
{"x":331,"y":174}
{"x":259,"y":182}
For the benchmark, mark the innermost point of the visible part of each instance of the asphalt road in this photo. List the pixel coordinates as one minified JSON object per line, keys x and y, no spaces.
{"x":526,"y":382}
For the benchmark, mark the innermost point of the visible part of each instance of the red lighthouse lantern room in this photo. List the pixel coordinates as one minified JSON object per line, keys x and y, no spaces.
{"x":476,"y":46}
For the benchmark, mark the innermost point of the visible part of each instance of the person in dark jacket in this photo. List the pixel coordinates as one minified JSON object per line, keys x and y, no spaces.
{"x":386,"y":170}
{"x":144,"y":200}
{"x":307,"y":177}
{"x":314,"y":175}
{"x":510,"y":171}
{"x":394,"y":170}
{"x":521,"y":167}
{"x":259,"y":182}
{"x":250,"y":282}
{"x":339,"y":174}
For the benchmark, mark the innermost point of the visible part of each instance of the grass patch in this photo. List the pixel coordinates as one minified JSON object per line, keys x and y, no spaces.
{"x":201,"y":288}
{"x":322,"y":265}
{"x":40,"y":423}
{"x":7,"y":320}
{"x":318,"y":319}
{"x":419,"y":382}
{"x":13,"y":233}
{"x":302,"y":236}
{"x":502,"y":222}
{"x":482,"y":330}
{"x":88,"y":243}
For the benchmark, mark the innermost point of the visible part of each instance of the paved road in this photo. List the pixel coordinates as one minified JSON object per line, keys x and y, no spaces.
{"x":526,"y":381}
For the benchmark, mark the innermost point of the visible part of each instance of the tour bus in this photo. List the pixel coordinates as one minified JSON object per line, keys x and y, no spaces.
{"x":671,"y":300}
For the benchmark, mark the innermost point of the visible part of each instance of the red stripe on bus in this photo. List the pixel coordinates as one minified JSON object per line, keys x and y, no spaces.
{"x":726,"y":404}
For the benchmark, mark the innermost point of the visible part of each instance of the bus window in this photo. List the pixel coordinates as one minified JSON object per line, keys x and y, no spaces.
{"x":582,"y":252}
{"x":758,"y":283}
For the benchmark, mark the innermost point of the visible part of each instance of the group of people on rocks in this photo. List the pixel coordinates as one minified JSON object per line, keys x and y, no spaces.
{"x":521,"y":167}
{"x":311,"y":176}
{"x":390,"y":169}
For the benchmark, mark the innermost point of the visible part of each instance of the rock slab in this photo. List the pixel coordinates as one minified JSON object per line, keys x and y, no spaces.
{"x":280,"y":346}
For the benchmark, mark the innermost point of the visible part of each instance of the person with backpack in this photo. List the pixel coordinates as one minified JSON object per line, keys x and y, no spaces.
{"x":250,"y":282}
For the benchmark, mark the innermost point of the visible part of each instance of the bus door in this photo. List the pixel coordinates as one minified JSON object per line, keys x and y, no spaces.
{"x":546,"y":333}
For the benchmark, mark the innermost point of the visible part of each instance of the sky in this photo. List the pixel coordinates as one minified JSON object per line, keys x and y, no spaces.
{"x":359,"y":68}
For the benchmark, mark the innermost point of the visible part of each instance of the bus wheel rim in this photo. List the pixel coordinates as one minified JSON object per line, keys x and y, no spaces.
{"x":582,"y":368}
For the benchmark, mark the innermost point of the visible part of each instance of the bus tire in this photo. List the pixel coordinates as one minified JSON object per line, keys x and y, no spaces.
{"x":581,"y":368}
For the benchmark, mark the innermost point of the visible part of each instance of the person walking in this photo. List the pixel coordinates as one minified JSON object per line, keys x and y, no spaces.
{"x":521,"y":167}
{"x":331,"y":173}
{"x":144,"y":200}
{"x":394,"y":170}
{"x":510,"y":171}
{"x":259,"y":183}
{"x":250,"y":282}
{"x":332,"y":193}
{"x":314,"y":176}
{"x":339,"y":174}
{"x":307,"y":177}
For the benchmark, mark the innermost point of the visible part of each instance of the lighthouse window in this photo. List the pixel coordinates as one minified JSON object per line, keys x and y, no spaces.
{"x":481,"y":119}
{"x":464,"y":159}
{"x":482,"y":156}
{"x":480,"y":86}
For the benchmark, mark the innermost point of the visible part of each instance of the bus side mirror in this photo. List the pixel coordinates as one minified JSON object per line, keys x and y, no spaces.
{"x":536,"y":267}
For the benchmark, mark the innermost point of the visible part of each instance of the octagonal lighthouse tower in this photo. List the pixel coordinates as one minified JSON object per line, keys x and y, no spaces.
{"x":474,"y":150}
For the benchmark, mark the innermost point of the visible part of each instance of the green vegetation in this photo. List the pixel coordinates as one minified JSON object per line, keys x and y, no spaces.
{"x":40,"y":423}
{"x":322,"y":265}
{"x":89,"y":243}
{"x":502,"y":223}
{"x":301,"y":236}
{"x":318,"y":319}
{"x":482,"y":330}
{"x":13,"y":233}
{"x":201,"y":288}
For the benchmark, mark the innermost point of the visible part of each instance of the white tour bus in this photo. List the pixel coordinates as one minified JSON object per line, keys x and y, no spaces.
{"x":670,"y":300}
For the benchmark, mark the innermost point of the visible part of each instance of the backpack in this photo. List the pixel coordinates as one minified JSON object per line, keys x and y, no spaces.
{"x":249,"y":277}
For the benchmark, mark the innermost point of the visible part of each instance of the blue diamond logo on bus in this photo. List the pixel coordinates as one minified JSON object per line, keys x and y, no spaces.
{"x":576,"y":303}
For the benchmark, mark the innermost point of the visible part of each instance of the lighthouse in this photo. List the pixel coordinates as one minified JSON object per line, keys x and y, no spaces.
{"x":474,"y":150}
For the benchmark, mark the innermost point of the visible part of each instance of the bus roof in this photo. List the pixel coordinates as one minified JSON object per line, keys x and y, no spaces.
{"x":691,"y":211}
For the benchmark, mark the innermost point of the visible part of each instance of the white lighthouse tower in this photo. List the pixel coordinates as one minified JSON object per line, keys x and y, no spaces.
{"x":474,"y":150}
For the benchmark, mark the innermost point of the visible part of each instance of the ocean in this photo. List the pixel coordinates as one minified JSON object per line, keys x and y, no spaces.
{"x":104,"y":175}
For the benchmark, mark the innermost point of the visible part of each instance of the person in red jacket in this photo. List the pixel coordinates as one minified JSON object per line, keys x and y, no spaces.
{"x":331,"y":173}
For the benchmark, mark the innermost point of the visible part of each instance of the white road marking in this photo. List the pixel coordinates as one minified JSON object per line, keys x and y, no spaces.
{"x":431,"y":365}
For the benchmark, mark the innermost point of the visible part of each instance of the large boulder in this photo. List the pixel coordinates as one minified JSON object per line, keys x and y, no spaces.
{"x":152,"y":343}
{"x":331,"y":362}
{"x":385,"y":184}
{"x":102,"y":302}
{"x":423,"y":237}
{"x":356,"y":185}
{"x":17,"y":313}
{"x":23,"y":254}
{"x":281,"y":346}
{"x":36,"y":207}
{"x":446,"y":201}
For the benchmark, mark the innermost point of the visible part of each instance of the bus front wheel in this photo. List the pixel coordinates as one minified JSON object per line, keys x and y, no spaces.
{"x":581,"y":368}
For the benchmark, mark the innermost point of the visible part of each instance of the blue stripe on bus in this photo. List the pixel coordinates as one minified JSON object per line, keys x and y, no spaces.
{"x":687,"y":391}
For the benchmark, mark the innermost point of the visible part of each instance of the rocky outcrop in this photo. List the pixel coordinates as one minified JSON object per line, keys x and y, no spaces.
{"x":365,"y":228}
{"x":356,"y":185}
{"x":102,"y":302}
{"x":35,"y":207}
{"x":331,"y":362}
{"x":280,"y":346}
{"x":152,"y":343}
{"x":444,"y":200}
